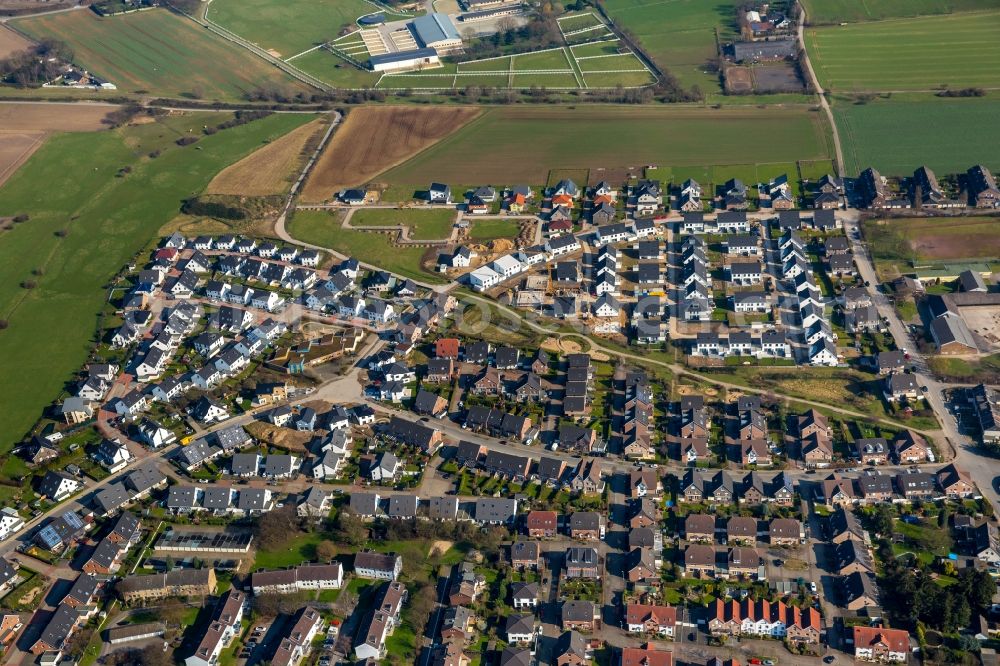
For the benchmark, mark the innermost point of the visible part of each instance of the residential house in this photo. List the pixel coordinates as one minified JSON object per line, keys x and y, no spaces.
{"x":881,"y":644}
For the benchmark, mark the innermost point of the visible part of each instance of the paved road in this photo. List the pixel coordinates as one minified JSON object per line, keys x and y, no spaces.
{"x":983,"y":470}
{"x":680,"y":370}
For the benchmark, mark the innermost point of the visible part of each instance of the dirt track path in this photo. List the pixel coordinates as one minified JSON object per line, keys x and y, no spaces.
{"x":824,"y":104}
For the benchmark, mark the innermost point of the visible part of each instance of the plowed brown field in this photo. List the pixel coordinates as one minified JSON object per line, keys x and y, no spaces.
{"x":270,"y":170}
{"x":15,"y":149}
{"x":11,"y":42}
{"x":374,"y":139}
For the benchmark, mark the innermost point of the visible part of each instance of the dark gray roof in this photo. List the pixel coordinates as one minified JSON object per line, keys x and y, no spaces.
{"x":500,"y":509}
{"x":58,"y":629}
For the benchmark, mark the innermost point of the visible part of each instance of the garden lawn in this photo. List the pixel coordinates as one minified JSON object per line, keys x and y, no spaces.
{"x":506,"y":145}
{"x":70,"y":183}
{"x":487,"y":230}
{"x":908,"y":54}
{"x":323,"y":229}
{"x":892,"y":135}
{"x":291,"y":553}
{"x":424,"y":224}
{"x":161,"y":53}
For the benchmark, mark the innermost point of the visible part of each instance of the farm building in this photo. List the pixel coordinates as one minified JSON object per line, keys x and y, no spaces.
{"x":776,"y":49}
{"x":404,"y":60}
{"x":436,"y":31}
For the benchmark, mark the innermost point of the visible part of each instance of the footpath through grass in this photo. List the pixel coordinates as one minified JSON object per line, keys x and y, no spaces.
{"x":323,"y":229}
{"x":77,"y":183}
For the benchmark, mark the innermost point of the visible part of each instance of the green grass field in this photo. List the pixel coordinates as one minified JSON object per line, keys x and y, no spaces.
{"x":431,"y":81}
{"x":506,"y":145}
{"x":300,"y":549}
{"x":424,"y":224}
{"x":603,"y":47}
{"x":288,"y":26}
{"x":330,"y":68}
{"x":892,"y":135}
{"x":579,"y":22}
{"x":323,"y":229}
{"x":488,"y":65}
{"x":610,"y":63}
{"x":71,"y":184}
{"x":542,"y":60}
{"x":486,"y":230}
{"x":566,"y":80}
{"x":950,"y":239}
{"x":679,"y":34}
{"x":160,"y":53}
{"x":851,"y":11}
{"x":908,"y":54}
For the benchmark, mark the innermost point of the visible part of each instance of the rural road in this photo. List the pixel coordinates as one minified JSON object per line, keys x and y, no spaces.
{"x":824,"y":104}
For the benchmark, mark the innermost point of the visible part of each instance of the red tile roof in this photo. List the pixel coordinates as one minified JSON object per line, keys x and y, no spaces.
{"x":446,"y":348}
{"x":896,"y":640}
{"x":542,"y":520}
{"x":640,"y":613}
{"x":646,"y":657}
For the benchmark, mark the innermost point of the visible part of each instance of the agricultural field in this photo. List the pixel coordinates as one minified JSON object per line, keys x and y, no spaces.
{"x":103,"y":216}
{"x":424,"y":224}
{"x":822,"y":12}
{"x":288,"y":27}
{"x":374,"y":139}
{"x":928,"y":244}
{"x":961,"y":238}
{"x":892,"y":135}
{"x":23,"y":129}
{"x":161,"y":53}
{"x":11,"y":42}
{"x":680,"y":35}
{"x":947,"y":239}
{"x":508,"y":145}
{"x":271,"y":169}
{"x":323,"y":228}
{"x":925,"y":53}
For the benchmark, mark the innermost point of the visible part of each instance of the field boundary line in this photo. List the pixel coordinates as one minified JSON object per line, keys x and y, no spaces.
{"x":230,"y":36}
{"x":289,"y":59}
{"x":602,"y":55}
{"x":575,"y":66}
{"x":566,"y":18}
{"x":583,"y":30}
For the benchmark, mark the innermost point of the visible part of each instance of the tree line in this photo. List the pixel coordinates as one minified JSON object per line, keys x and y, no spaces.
{"x":39,"y":64}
